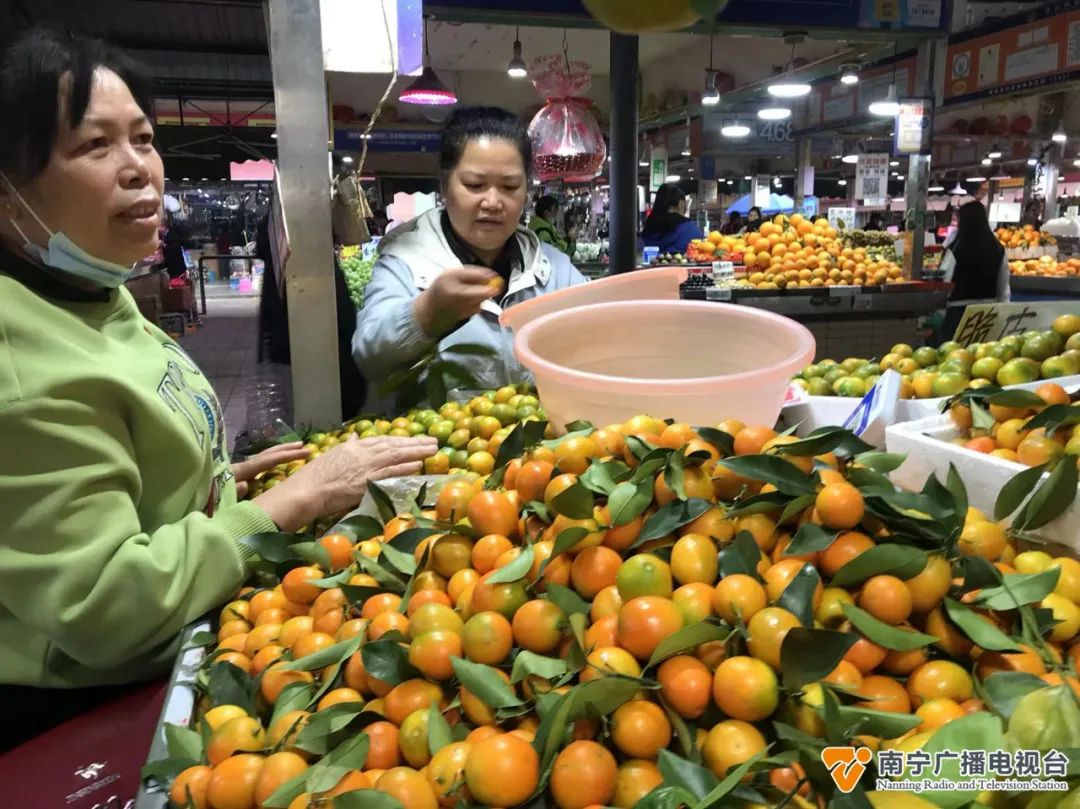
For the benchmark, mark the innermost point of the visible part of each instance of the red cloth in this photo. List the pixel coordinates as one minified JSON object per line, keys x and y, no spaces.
{"x":88,"y":761}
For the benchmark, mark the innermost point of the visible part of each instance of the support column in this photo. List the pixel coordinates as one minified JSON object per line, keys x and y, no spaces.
{"x":917,"y":181}
{"x":1050,"y":182}
{"x":303,"y":143}
{"x":623,"y":137}
{"x":803,"y":157}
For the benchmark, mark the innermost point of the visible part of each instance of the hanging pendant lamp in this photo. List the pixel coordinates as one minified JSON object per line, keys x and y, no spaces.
{"x":427,"y":88}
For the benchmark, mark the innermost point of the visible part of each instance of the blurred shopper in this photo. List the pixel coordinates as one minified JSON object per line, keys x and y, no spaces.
{"x":975,"y":264}
{"x":667,"y":227}
{"x":543,"y":224}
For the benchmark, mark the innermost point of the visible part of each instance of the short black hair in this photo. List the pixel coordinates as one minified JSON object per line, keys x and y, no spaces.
{"x":546,"y":204}
{"x":32,"y":69}
{"x":471,"y":123}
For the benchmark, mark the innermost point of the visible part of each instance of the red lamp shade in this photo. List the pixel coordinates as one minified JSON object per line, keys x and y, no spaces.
{"x":428,"y":89}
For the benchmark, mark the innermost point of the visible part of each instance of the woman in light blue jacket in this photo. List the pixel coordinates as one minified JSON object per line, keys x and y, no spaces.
{"x":444,"y":277}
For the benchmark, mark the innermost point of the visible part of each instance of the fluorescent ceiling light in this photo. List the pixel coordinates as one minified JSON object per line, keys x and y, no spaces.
{"x":774,"y":113}
{"x":643,"y":163}
{"x":986,"y":161}
{"x":841,"y":182}
{"x":685,"y":152}
{"x":788,"y":87}
{"x":672,"y":178}
{"x":1033,"y":161}
{"x":936,"y":189}
{"x":1059,"y":135}
{"x":850,"y":159}
{"x":994,"y":153}
{"x":894,"y":163}
{"x":1008,"y":177}
{"x":888,"y":106}
{"x":735,"y":130}
{"x":273,"y":135}
{"x":747,"y":177}
{"x":976,"y":179}
{"x":900,"y":176}
{"x":346,"y":159}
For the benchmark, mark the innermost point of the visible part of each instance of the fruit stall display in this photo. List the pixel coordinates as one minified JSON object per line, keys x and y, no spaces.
{"x":644,"y":615}
{"x":1033,"y":428}
{"x":469,"y":433}
{"x":357,"y":270}
{"x":1047,"y":267}
{"x":930,"y":373}
{"x":795,"y":252}
{"x":1026,"y":242}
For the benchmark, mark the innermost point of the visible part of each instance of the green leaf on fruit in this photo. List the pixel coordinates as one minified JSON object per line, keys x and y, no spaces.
{"x":798,"y":596}
{"x":809,"y":655}
{"x":1051,"y":499}
{"x":670,"y":518}
{"x":689,"y":637}
{"x":483,"y":683}
{"x":574,"y":502}
{"x":810,"y":538}
{"x":883,"y":634}
{"x":566,"y":599}
{"x":980,"y":631}
{"x":772,"y":469}
{"x":1017,"y":589}
{"x":516,"y":570}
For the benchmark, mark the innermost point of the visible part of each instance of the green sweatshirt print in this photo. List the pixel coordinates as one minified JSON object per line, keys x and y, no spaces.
{"x":118,"y":513}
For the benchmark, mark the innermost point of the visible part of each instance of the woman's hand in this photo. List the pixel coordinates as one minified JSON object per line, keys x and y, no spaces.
{"x":336,"y":480}
{"x":245,"y":471}
{"x":456,"y":295}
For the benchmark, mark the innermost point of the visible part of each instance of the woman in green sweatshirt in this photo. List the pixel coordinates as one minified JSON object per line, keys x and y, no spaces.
{"x":543,"y":224}
{"x":119,"y":519}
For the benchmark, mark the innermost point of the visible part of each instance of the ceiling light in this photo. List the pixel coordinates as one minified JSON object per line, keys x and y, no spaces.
{"x":672,"y":178}
{"x":976,"y":179}
{"x":1033,"y":161}
{"x":185,"y":179}
{"x":1008,"y":177}
{"x":346,"y":159}
{"x":900,"y":176}
{"x":643,"y":163}
{"x":748,"y":177}
{"x":273,"y":135}
{"x":685,"y":152}
{"x":849,"y":74}
{"x":711,"y":96}
{"x":774,"y":113}
{"x":1059,"y":135}
{"x":516,"y":69}
{"x":936,"y":189}
{"x":735,"y":130}
{"x":850,"y":159}
{"x":994,"y":153}
{"x":986,"y":161}
{"x":959,"y":191}
{"x":841,"y":182}
{"x":786,"y":85}
{"x":888,"y":106}
{"x":427,"y":88}
{"x":203,"y":179}
{"x":894,"y":163}
{"x":731,"y":182}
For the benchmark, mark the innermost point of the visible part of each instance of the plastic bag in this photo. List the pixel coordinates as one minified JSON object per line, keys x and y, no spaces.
{"x":566,"y":139}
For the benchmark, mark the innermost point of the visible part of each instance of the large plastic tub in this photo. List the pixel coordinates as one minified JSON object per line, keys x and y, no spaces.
{"x":697,"y":362}
{"x":640,"y":285}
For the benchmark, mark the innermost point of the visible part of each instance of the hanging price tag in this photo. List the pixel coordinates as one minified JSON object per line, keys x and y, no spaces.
{"x":723,"y":272}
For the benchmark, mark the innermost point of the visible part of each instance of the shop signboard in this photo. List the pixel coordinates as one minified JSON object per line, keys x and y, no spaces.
{"x":657,"y":168}
{"x":833,"y":105}
{"x":351,"y":139}
{"x":989,"y":322}
{"x":841,"y":218}
{"x":1038,"y":49}
{"x":914,"y":126}
{"x":919,"y":15}
{"x":872,"y":176}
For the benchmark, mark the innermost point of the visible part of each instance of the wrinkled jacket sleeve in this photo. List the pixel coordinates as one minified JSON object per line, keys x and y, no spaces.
{"x":387,"y":336}
{"x":563,"y":272}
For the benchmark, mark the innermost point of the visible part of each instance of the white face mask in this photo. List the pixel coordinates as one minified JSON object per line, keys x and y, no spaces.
{"x":64,"y":255}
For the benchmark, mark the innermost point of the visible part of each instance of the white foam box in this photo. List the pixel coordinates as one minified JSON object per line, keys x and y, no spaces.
{"x":926,"y":443}
{"x":913,"y":409}
{"x":866,"y":417}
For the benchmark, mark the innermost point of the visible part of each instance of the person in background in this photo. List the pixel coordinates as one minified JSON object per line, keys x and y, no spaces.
{"x":667,"y":228}
{"x":875,"y":222}
{"x":734,"y":224}
{"x":122,"y":522}
{"x":174,"y":244}
{"x":444,"y":277}
{"x":753,"y":220}
{"x":975,"y":264}
{"x":543,"y":224}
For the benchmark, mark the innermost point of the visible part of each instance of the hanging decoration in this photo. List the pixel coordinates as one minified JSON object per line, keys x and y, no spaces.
{"x":567,"y":141}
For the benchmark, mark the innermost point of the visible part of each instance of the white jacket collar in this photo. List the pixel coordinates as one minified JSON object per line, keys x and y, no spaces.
{"x":421,"y":244}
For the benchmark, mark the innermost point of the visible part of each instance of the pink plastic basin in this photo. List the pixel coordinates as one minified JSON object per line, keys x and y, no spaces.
{"x":640,"y":285}
{"x":695,"y":362}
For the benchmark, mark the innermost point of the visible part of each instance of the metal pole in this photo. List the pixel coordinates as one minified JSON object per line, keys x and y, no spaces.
{"x":295,"y":35}
{"x":803,"y":156}
{"x":917,"y":182}
{"x":1050,"y":184}
{"x":623,"y":137}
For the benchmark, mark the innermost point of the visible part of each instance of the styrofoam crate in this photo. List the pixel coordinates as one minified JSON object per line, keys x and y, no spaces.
{"x":926,"y":443}
{"x":914,"y":409}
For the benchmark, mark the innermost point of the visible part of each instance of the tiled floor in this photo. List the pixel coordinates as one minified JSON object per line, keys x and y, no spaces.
{"x":225,"y":349}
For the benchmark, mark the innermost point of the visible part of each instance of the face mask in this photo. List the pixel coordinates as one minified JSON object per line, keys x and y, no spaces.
{"x":64,"y":255}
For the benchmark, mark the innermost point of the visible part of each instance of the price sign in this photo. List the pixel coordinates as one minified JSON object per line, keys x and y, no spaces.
{"x":723,"y":272}
{"x":841,"y":218}
{"x":914,"y":125}
{"x":871,"y":177}
{"x":718,"y":294}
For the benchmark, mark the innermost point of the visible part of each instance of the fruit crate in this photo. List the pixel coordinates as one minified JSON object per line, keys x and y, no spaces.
{"x":180,"y":695}
{"x":927,"y":445}
{"x":179,"y":709}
